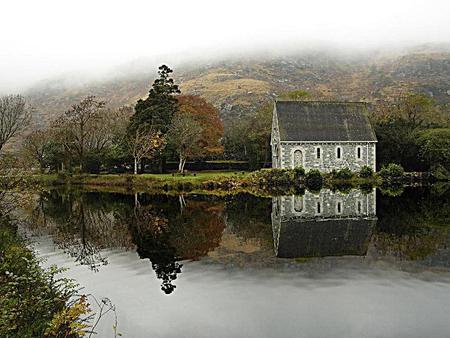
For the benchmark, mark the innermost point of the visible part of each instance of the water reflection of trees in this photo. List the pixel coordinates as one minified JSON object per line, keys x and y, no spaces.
{"x":167,"y":230}
{"x":82,"y":224}
{"x":249,"y":217}
{"x":414,"y":225}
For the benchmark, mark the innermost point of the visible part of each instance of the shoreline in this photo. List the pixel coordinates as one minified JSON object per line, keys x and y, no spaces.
{"x":218,"y":182}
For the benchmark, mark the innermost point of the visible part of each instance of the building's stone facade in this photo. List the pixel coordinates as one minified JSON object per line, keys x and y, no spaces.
{"x":323,"y":224}
{"x":284,"y":156}
{"x":342,"y":145}
{"x":354,"y":204}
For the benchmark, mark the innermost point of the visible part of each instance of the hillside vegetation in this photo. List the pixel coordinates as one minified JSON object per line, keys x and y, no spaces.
{"x":238,"y":86}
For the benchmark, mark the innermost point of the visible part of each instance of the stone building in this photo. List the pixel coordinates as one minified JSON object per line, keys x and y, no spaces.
{"x":322,"y":135}
{"x":324,"y":224}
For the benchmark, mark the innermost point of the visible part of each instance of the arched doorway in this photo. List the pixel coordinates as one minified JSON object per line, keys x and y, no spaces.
{"x":298,"y":203}
{"x":298,"y":158}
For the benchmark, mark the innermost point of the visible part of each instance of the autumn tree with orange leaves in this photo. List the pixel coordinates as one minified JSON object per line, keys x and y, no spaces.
{"x":196,"y":129}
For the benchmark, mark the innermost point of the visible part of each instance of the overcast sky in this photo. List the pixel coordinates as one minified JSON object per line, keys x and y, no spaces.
{"x":41,"y":39}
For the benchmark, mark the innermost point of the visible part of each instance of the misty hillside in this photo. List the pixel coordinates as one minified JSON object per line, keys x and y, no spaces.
{"x":237,"y":86}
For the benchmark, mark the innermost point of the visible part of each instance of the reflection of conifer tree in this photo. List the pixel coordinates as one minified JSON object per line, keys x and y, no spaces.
{"x":162,"y":257}
{"x":151,"y":238}
{"x":172,"y":229}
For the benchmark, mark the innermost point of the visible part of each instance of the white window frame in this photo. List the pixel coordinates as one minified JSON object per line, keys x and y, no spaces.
{"x":341,"y":153}
{"x":320,"y":151}
{"x":339,"y":202}
{"x":295,"y":212}
{"x":293,"y":150}
{"x":359,"y":202}
{"x":320,"y":205}
{"x":360,"y":153}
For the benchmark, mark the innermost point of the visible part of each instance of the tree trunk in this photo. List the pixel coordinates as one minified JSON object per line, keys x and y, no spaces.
{"x":180,"y":164}
{"x":163,"y":164}
{"x":182,"y":203}
{"x":135,"y":166}
{"x":160,"y":165}
{"x":136,"y":200}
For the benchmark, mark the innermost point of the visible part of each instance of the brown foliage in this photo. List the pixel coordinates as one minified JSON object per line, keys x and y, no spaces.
{"x":208,"y":118}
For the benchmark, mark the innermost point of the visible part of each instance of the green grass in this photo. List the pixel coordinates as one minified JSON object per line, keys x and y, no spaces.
{"x":200,"y":176}
{"x":140,"y":180}
{"x":220,"y":181}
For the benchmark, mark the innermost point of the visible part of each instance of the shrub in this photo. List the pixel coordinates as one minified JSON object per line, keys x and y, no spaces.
{"x":32,"y":297}
{"x":366,"y":188}
{"x":434,"y":147}
{"x":439,"y":172}
{"x":314,"y":179}
{"x":275,"y":177}
{"x":299,"y":172}
{"x":392,"y":170}
{"x":342,"y":174}
{"x":366,"y":172}
{"x":392,"y":190}
{"x":344,"y":188}
{"x":92,"y":165}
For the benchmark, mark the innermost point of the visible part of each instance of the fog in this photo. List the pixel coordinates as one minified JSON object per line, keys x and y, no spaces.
{"x":89,"y":39}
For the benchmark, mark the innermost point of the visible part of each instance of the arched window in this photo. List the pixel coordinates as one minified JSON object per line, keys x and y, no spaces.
{"x":358,"y":207}
{"x":298,"y":158}
{"x":318,"y":208}
{"x":318,"y":152}
{"x":339,"y":207}
{"x":339,"y":152}
{"x":298,"y":203}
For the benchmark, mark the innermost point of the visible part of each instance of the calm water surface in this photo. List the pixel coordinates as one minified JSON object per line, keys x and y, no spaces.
{"x":324,"y":264}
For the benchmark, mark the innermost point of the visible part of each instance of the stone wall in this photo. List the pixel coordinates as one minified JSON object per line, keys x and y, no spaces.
{"x":328,"y":157}
{"x":275,"y":142}
{"x":355,"y":204}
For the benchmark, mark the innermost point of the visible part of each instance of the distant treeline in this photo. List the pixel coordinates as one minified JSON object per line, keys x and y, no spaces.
{"x":167,"y":126}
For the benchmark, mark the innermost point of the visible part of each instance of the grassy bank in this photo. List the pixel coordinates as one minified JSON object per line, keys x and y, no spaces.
{"x":143,"y":181}
{"x":259,"y":182}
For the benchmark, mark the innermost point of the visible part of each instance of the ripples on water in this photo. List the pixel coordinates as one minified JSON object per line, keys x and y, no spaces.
{"x":326,"y":264}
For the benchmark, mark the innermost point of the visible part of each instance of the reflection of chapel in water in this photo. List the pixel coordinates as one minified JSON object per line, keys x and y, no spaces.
{"x":325,"y":224}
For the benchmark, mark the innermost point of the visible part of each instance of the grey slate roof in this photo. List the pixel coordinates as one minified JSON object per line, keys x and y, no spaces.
{"x":334,"y":237}
{"x":323,"y":121}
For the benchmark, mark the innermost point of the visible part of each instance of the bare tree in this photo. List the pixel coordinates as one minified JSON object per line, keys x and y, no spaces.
{"x":15,"y":116}
{"x":144,"y":143}
{"x":78,"y":125}
{"x":108,"y":125}
{"x":185,"y":135}
{"x":35,"y":146}
{"x":11,"y":179}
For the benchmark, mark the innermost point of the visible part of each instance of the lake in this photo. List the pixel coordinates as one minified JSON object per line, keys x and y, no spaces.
{"x":353,"y":263}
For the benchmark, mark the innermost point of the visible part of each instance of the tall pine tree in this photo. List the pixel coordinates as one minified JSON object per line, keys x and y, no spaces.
{"x":158,"y":108}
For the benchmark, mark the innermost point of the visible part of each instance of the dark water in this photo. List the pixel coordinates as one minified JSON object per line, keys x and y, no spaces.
{"x":324,"y":264}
